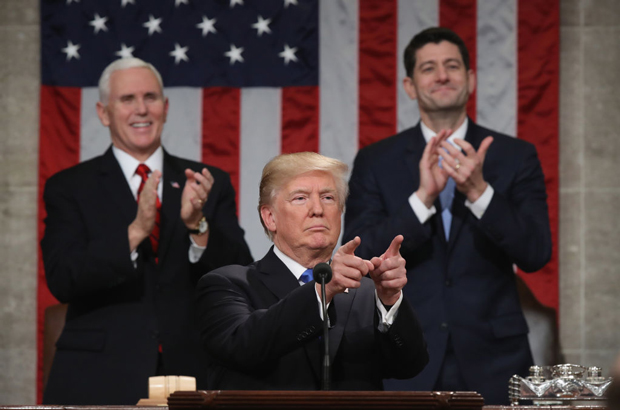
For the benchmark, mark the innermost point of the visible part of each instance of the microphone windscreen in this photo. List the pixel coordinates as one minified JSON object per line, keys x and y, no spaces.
{"x":322,"y":270}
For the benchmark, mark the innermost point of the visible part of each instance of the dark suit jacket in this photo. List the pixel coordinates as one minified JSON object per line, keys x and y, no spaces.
{"x":261,"y":331}
{"x":118,"y":314}
{"x":465,"y":287}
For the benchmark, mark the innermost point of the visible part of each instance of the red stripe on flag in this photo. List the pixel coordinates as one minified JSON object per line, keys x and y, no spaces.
{"x":59,"y":148}
{"x":221,"y":122}
{"x":300,"y":119}
{"x":538,"y":94}
{"x":378,"y":42}
{"x":461,"y":17}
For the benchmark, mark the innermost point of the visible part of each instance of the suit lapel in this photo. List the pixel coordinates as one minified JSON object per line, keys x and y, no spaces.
{"x":116,"y":188}
{"x":413,"y":152}
{"x":276,"y":276}
{"x":174,"y":182}
{"x":280,"y":281}
{"x":342,"y":307}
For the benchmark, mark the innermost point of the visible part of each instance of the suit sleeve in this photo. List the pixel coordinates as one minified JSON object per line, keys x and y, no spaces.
{"x":403,"y":347}
{"x":518,"y":221}
{"x":78,"y":263}
{"x":226,"y":245}
{"x":241,"y":337}
{"x":366,"y":215}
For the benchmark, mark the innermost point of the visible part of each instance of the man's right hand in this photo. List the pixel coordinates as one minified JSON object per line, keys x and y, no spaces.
{"x":143,"y":225}
{"x":433,"y":178}
{"x":347,"y":270}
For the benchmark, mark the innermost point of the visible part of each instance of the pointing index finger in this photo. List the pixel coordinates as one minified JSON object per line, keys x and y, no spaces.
{"x":349,"y":247}
{"x":394,"y":249}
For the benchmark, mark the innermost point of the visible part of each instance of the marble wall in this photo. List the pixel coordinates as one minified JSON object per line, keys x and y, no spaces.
{"x":19,"y":110}
{"x":589,"y":222}
{"x":589,"y":189}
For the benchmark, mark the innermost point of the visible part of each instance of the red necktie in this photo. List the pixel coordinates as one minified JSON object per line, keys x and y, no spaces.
{"x":143,"y":171}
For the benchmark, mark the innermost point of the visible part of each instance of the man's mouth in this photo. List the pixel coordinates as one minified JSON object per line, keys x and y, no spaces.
{"x":317,"y":228}
{"x":140,"y":124}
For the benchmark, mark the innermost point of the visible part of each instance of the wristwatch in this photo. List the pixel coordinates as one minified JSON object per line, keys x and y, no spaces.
{"x":201,"y":227}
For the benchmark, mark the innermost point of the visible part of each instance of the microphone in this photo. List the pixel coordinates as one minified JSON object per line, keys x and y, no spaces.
{"x":322,"y":273}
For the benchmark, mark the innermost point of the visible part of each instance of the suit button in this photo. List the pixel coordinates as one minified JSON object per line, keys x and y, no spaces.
{"x":443,"y":326}
{"x":448,"y":283}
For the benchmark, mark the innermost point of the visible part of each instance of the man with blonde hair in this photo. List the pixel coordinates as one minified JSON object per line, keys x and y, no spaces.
{"x":127,"y":236}
{"x":261,"y":323}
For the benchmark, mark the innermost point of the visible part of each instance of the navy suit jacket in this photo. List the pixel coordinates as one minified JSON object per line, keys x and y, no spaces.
{"x":464,"y":287}
{"x":119,"y":315}
{"x":261,"y":331}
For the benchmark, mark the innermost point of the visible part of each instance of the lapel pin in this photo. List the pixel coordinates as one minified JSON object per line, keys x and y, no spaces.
{"x":175,"y":184}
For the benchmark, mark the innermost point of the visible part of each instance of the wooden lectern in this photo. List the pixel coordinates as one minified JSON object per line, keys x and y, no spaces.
{"x":324,"y":400}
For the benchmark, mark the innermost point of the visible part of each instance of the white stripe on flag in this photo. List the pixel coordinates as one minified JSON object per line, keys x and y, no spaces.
{"x":338,"y":30}
{"x":260,"y":141}
{"x":182,"y":135}
{"x":413,"y":17}
{"x":94,"y":137}
{"x":496,"y":73}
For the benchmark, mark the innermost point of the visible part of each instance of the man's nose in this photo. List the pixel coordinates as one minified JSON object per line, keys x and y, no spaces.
{"x":442,"y":74}
{"x":141,"y":107}
{"x":316,"y":207}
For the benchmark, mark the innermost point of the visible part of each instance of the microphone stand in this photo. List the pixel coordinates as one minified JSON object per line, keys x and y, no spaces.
{"x":326,"y":363}
{"x":322,"y":273}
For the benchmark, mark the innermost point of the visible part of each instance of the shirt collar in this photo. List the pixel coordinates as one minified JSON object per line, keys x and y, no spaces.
{"x":129,"y":164}
{"x":296,"y":269}
{"x":458,"y":133}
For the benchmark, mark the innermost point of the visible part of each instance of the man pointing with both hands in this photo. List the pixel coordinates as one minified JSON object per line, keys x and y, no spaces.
{"x":261,"y":324}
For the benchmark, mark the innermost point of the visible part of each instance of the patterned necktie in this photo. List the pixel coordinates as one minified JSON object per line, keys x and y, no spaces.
{"x":143,"y":171}
{"x":445,"y":197}
{"x":306,"y":276}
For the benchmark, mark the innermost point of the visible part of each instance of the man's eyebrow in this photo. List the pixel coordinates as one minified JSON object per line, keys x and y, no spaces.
{"x":299,"y":191}
{"x":427,"y":62}
{"x":452,"y":60}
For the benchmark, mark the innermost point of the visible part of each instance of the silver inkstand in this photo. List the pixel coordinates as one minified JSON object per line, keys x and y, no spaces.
{"x":562,"y":384}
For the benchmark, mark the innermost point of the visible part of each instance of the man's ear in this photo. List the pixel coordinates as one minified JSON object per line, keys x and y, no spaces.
{"x":409,"y":87}
{"x":269,"y":219}
{"x":165,"y":109}
{"x":471,"y":81}
{"x":102,"y":112}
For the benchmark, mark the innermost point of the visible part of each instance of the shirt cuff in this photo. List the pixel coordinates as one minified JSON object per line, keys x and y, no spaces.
{"x":386,"y":318}
{"x":195,"y":251}
{"x":480,"y":206}
{"x":420,"y":210}
{"x":134,"y":258}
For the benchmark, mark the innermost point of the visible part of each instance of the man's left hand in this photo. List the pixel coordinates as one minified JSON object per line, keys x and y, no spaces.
{"x":466,"y":168}
{"x":389,"y":273}
{"x":195,"y":195}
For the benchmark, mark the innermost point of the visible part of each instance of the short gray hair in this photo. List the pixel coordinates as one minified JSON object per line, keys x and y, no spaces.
{"x":123,"y":64}
{"x":283,"y":168}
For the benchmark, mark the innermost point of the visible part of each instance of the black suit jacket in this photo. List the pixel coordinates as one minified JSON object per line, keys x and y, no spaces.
{"x":465,"y":287}
{"x":118,"y":315}
{"x":261,"y":330}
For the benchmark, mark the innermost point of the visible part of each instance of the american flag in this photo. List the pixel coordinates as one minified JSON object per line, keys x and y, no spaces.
{"x":250,"y":79}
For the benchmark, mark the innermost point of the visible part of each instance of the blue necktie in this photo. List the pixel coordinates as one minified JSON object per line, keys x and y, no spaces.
{"x":306,"y":276}
{"x":445,"y":197}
